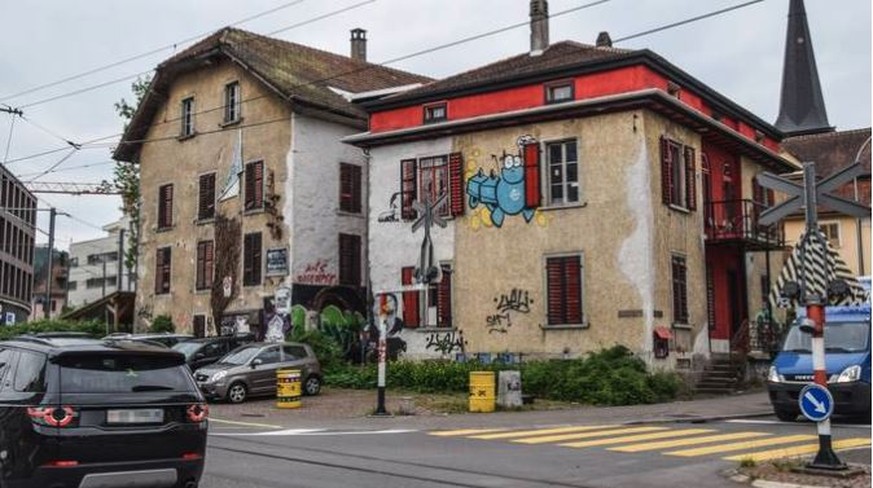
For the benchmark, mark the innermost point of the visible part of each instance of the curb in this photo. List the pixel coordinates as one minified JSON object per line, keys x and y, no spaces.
{"x":779,"y":484}
{"x":698,"y":420}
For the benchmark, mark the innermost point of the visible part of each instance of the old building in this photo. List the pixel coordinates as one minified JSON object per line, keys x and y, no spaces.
{"x":247,"y":190}
{"x":45,"y":303}
{"x":17,"y":231}
{"x":592,"y":195}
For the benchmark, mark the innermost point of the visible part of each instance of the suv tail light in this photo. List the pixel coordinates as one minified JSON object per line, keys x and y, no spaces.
{"x":53,"y":416}
{"x":197,"y":412}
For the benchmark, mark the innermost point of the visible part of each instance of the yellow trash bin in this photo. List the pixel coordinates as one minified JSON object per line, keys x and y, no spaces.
{"x":288,"y":388}
{"x":482,"y":398}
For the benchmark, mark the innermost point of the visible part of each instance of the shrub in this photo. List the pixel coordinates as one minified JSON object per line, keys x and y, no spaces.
{"x":162,"y":323}
{"x":326,"y":348}
{"x":93,"y":328}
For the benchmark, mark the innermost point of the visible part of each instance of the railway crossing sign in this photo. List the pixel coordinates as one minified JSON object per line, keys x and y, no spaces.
{"x":816,"y":402}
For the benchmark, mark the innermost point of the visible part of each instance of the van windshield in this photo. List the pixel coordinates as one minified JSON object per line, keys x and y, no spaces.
{"x":838,"y":337}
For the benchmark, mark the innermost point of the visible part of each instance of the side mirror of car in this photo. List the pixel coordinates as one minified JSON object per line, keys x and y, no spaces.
{"x":256,"y":362}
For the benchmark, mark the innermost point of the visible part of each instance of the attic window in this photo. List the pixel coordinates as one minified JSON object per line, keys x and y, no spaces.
{"x":231,"y":102}
{"x":436,"y":112}
{"x":559,"y":91}
{"x":187,"y":117}
{"x":673,"y":89}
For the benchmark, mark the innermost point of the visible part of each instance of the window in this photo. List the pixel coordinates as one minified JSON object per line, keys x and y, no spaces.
{"x":831,"y":231}
{"x":678,"y":175}
{"x":205,"y":264}
{"x":411,"y":310}
{"x":206,"y":202}
{"x":74,"y":262}
{"x":165,"y":206}
{"x":350,"y":188}
{"x":563,"y":177}
{"x":269,"y":356}
{"x":435,"y":113}
{"x":564,"y":290}
{"x":72,"y":285}
{"x":561,"y":91}
{"x":680,"y":290}
{"x":254,"y":185}
{"x":162,"y":270}
{"x":441,"y":297}
{"x":252,"y":259}
{"x":187,"y":117}
{"x":199,"y":325}
{"x":429,"y":178}
{"x":30,"y":374}
{"x":350,"y":260}
{"x":232,"y":103}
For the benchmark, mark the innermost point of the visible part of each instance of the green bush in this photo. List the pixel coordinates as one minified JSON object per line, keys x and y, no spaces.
{"x":163,"y":323}
{"x":612,"y":376}
{"x":94,"y":328}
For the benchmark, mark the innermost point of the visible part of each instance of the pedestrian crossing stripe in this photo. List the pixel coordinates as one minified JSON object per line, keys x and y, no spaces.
{"x":463,"y":432}
{"x":586,"y":435}
{"x":523,"y":433}
{"x":637,"y":438}
{"x":788,"y":452}
{"x":740,"y":446}
{"x":651,"y":446}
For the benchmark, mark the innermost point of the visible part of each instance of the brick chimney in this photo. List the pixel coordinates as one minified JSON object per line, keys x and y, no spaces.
{"x":539,"y":26}
{"x":603,"y":40}
{"x":359,"y":44}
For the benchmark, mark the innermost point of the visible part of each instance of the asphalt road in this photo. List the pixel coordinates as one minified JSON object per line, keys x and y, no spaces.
{"x":563,"y":455}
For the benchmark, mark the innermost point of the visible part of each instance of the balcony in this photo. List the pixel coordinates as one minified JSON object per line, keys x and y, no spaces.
{"x":736,"y":222}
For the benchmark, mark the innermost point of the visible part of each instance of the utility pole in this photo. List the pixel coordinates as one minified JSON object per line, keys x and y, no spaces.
{"x":119,"y":266}
{"x":47,"y":306}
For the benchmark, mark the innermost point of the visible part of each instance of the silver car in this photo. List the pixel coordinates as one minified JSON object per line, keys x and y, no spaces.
{"x":250,"y":370}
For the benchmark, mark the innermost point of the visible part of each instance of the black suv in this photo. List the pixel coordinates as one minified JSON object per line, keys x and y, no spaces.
{"x":205,"y":351}
{"x":86,"y":413}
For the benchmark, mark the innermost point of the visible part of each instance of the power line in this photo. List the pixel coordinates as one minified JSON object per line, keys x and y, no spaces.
{"x":51,"y":132}
{"x":68,"y":168}
{"x":687,"y":21}
{"x":145,"y":54}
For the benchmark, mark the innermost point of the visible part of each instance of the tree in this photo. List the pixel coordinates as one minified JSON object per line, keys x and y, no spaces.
{"x":228,"y":234}
{"x":125,"y":177}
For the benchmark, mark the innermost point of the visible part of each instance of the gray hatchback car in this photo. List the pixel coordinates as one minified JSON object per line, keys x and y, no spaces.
{"x":250,"y":370}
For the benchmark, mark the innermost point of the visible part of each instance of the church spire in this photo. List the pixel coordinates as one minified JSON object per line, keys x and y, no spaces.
{"x":802,"y":108}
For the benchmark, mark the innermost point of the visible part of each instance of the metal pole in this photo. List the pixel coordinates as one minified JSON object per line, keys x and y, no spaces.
{"x":103,"y":279}
{"x":119,"y":267}
{"x":47,"y":306}
{"x":382,"y":351}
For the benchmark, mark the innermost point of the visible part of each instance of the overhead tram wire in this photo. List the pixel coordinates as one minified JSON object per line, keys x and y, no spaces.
{"x":142,"y":55}
{"x":419,"y":53}
{"x":142,"y":73}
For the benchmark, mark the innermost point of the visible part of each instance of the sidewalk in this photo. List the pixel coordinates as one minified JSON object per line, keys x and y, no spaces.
{"x":351,"y":409}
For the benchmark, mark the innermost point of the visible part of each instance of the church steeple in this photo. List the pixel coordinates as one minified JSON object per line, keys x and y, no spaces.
{"x":802,"y":108}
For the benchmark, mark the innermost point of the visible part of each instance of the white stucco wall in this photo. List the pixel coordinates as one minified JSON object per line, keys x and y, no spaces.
{"x":83,"y":271}
{"x":311,"y":210}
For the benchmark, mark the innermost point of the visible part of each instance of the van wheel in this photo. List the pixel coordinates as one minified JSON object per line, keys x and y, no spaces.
{"x":312,"y":386}
{"x":785,"y":415}
{"x":237,"y":393}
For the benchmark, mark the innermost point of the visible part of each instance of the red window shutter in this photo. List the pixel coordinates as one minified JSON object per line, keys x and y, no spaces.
{"x":249,"y":186}
{"x":408,"y":188}
{"x":206,"y":208}
{"x":532,"y":193}
{"x":690,"y":175}
{"x":555,"y":288}
{"x":666,"y":172}
{"x":573,"y":280}
{"x":456,"y":184}
{"x":254,"y":185}
{"x":410,"y":298}
{"x":259,"y":184}
{"x":444,"y":299}
{"x":165,"y":207}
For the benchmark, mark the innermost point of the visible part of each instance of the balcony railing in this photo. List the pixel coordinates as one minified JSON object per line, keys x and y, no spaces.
{"x":737,"y":221}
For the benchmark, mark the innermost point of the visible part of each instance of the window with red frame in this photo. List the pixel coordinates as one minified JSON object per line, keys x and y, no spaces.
{"x":678,"y":183}
{"x":430,"y":178}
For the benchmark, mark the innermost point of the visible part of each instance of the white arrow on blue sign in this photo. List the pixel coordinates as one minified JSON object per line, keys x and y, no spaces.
{"x":816,"y":402}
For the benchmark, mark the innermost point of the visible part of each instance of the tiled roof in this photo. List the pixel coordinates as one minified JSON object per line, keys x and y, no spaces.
{"x":299,"y":73}
{"x":833,"y":151}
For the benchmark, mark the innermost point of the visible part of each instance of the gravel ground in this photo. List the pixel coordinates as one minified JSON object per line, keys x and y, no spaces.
{"x":781,"y":471}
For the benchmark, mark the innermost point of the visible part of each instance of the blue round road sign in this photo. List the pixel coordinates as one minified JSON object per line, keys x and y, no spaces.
{"x":816,"y":402}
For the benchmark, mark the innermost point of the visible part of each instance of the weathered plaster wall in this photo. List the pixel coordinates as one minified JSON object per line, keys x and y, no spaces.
{"x":181,"y":162}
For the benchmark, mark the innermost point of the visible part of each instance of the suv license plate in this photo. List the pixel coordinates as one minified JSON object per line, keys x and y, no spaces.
{"x":138,"y":416}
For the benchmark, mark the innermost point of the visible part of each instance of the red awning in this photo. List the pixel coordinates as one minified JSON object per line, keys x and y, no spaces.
{"x":662,"y":332}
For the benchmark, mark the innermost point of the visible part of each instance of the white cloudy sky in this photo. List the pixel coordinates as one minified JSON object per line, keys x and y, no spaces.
{"x":738,"y":53}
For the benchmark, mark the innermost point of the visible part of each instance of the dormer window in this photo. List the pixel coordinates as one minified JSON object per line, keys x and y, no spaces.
{"x":561,"y":91}
{"x":187,"y":117}
{"x":435,"y":113}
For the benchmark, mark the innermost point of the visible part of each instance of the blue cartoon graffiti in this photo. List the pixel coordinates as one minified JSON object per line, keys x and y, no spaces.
{"x":505,"y":194}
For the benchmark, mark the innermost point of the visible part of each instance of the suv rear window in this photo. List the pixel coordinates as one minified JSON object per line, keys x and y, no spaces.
{"x":122,"y":374}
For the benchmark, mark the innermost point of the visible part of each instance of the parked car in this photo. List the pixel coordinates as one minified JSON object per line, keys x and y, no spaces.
{"x":84,"y":412}
{"x":250,"y":370}
{"x":847,"y":361}
{"x":205,"y":351}
{"x":167,"y":339}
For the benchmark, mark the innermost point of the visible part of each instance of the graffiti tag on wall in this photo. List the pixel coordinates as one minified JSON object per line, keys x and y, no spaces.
{"x":516,"y":301}
{"x":445,"y":342}
{"x":316,"y":274}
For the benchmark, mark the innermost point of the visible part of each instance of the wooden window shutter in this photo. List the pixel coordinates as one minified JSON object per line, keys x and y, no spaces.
{"x":444,"y":299}
{"x":690,"y":178}
{"x":456,"y":184}
{"x":206,"y":204}
{"x":259,"y":184}
{"x":573,"y":280}
{"x":666,"y":172}
{"x":555,"y":288}
{"x":165,"y":206}
{"x":532,"y":193}
{"x":159,"y":272}
{"x":209,"y":264}
{"x":680,"y":291}
{"x":252,"y":259}
{"x":254,"y":185}
{"x":350,"y":188}
{"x":357,"y":187}
{"x":408,"y":188}
{"x":201,"y":267}
{"x":410,"y":298}
{"x":350,"y":260}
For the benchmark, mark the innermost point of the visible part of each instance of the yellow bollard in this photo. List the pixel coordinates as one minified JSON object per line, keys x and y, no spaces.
{"x":482,"y":398}
{"x":288,"y":388}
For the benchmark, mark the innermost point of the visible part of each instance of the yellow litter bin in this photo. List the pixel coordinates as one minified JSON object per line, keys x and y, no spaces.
{"x":288,"y":388}
{"x":482,"y":398}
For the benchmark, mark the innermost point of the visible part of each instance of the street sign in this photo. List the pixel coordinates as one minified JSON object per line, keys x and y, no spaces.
{"x":816,"y":402}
